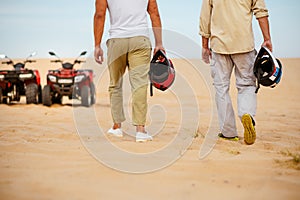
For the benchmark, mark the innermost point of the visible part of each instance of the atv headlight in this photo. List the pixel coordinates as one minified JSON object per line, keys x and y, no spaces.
{"x":79,"y":78}
{"x":52,"y":78}
{"x":65,"y":81}
{"x":2,"y":76}
{"x":23,"y":76}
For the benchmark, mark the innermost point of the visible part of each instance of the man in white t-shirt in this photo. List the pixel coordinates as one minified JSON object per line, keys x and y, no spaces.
{"x":128,"y":46}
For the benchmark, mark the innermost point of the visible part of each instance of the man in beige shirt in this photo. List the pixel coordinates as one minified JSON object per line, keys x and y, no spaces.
{"x":228,"y":44}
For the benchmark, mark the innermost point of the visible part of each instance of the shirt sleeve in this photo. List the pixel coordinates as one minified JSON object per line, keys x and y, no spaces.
{"x":205,"y":19}
{"x":259,"y":9}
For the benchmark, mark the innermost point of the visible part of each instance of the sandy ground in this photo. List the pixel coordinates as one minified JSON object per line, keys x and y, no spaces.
{"x":59,"y":152}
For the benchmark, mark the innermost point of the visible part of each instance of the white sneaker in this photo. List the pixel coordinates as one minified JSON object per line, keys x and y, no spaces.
{"x":115,"y":132}
{"x":142,"y":137}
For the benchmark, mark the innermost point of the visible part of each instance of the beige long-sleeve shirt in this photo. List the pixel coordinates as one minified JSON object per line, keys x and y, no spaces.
{"x":228,"y":24}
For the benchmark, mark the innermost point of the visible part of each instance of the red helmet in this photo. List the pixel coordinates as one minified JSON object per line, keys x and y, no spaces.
{"x":162,"y":72}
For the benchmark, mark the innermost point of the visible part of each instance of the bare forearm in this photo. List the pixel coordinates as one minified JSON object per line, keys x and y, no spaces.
{"x":99,"y":20}
{"x":157,"y":35}
{"x":206,"y":54}
{"x":265,"y":29}
{"x":264,"y":26}
{"x":205,"y":42}
{"x":98,"y":29}
{"x":156,"y":22}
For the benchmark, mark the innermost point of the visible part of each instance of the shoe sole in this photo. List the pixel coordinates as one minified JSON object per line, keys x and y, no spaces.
{"x":233,"y":139}
{"x":226,"y":138}
{"x":142,"y":140}
{"x":115,"y":135}
{"x":119,"y":136}
{"x":249,"y":130}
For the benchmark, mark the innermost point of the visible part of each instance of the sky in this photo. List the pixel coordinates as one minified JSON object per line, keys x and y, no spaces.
{"x":66,"y":26}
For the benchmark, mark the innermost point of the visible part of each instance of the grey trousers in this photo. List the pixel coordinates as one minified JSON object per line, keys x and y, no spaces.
{"x":222,"y":66}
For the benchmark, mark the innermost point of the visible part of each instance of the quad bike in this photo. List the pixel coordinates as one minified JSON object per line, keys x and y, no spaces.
{"x":66,"y":81}
{"x":20,"y":81}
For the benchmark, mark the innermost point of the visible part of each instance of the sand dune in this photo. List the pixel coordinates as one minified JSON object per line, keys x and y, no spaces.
{"x":46,"y":153}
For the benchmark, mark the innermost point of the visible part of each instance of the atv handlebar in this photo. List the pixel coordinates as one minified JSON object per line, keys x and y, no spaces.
{"x":8,"y":62}
{"x":78,"y":61}
{"x":56,"y":61}
{"x":30,"y":61}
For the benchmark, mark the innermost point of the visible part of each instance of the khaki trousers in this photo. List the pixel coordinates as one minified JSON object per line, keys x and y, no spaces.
{"x":134,"y":53}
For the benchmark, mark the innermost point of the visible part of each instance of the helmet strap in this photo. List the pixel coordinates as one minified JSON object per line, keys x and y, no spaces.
{"x":151,"y":89}
{"x":258,"y":78}
{"x":257,"y":88}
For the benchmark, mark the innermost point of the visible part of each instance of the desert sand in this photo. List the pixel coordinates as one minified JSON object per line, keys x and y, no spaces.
{"x":59,"y":152}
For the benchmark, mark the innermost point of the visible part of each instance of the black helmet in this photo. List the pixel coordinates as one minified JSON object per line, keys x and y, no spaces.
{"x":162,"y":72}
{"x":267,"y":69}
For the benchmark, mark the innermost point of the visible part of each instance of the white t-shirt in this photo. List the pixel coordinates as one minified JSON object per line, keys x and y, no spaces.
{"x":128,"y":18}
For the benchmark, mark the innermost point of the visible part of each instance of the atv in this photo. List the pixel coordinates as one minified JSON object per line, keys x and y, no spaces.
{"x":67,"y":81}
{"x":20,"y":81}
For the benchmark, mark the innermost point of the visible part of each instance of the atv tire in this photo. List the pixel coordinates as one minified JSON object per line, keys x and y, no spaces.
{"x":47,"y":98}
{"x":93,"y":94}
{"x":85,"y":96}
{"x":40,"y":96}
{"x":57,"y":100}
{"x":1,"y":96}
{"x":31,"y":93}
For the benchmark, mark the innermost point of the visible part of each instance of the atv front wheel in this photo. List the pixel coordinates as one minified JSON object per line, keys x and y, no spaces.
{"x":57,"y":100}
{"x":31,"y":93}
{"x":85,"y":96}
{"x":1,"y":96}
{"x":47,"y":98}
{"x":93,"y":94}
{"x":3,"y":99}
{"x":40,"y":97}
